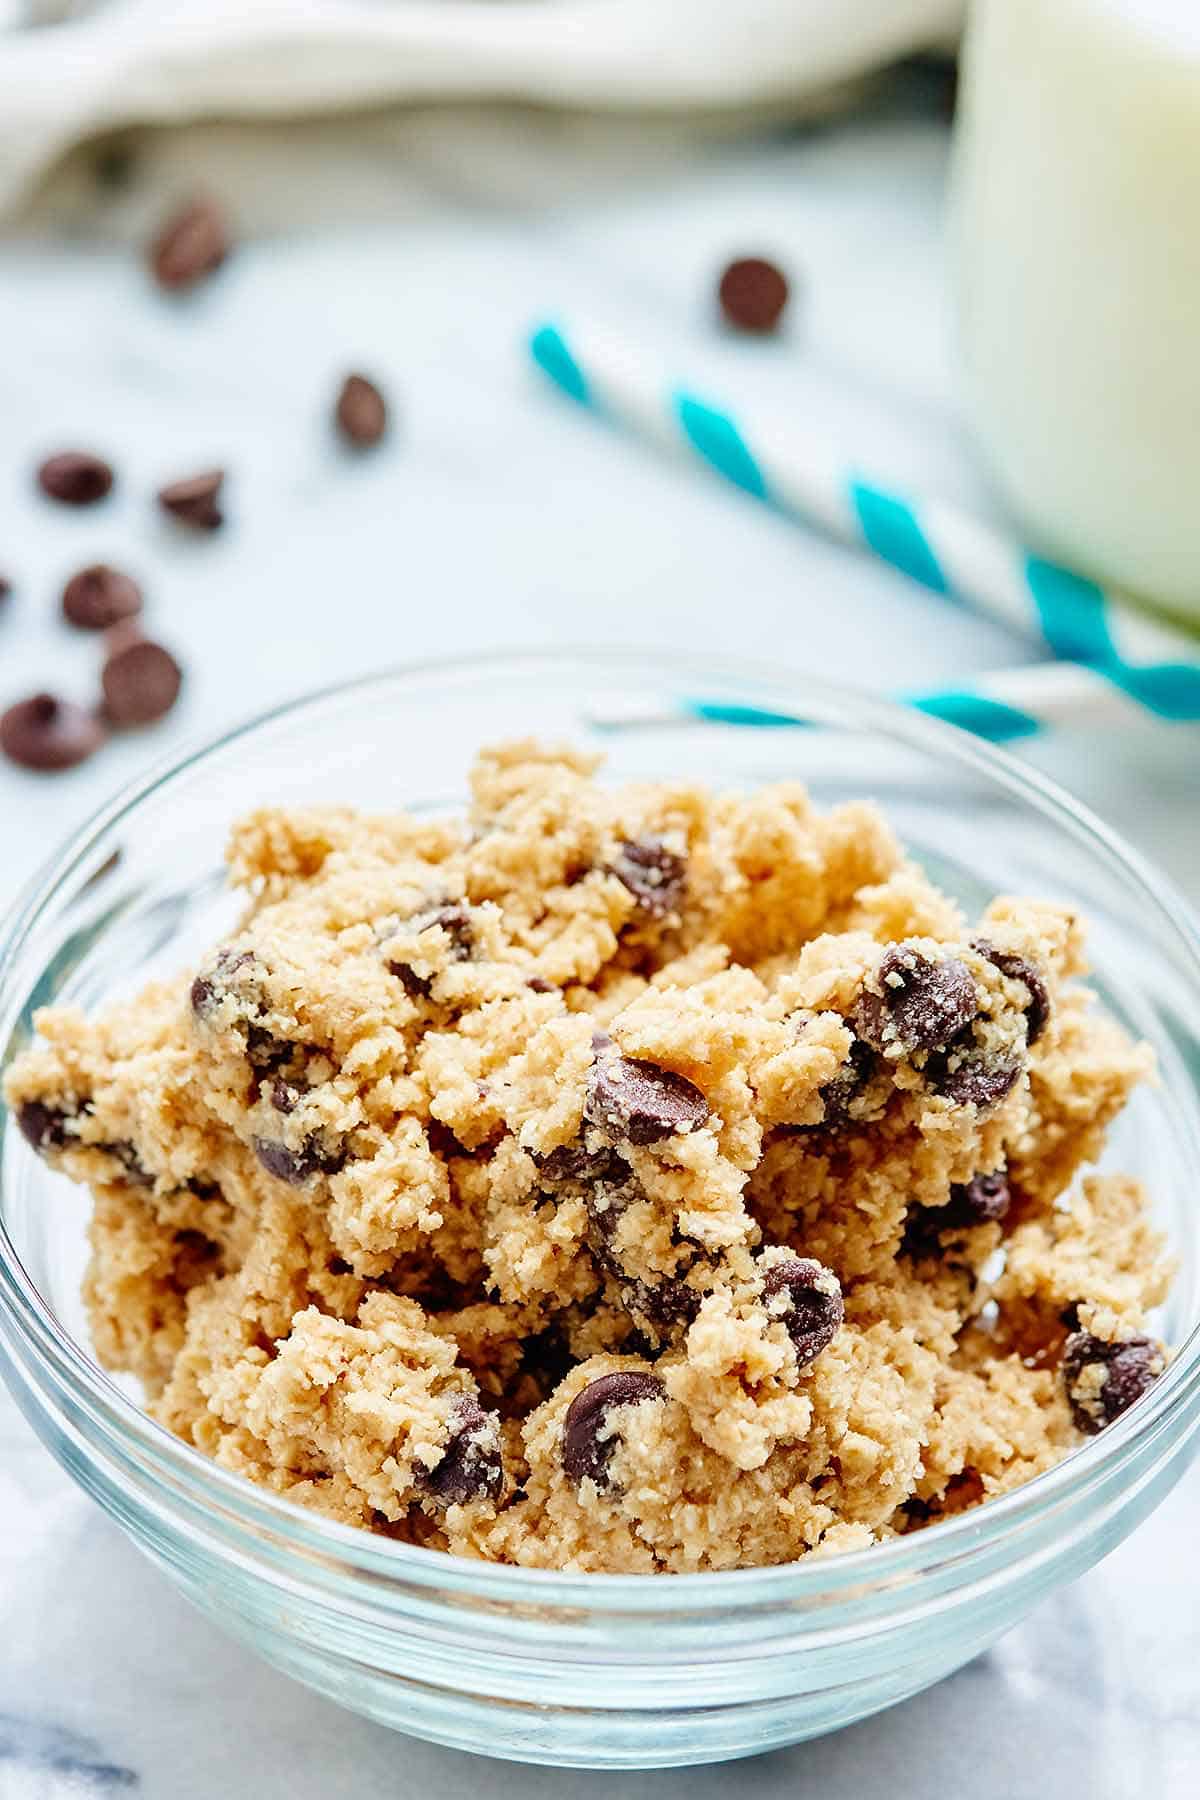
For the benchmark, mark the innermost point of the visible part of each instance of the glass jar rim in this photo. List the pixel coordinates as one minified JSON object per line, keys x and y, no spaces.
{"x":258,"y":1511}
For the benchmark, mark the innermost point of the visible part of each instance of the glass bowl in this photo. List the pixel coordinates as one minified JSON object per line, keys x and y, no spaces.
{"x":593,"y":1670}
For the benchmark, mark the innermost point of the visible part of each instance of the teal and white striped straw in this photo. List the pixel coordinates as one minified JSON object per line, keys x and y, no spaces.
{"x":1132,"y":663}
{"x":1003,"y":707}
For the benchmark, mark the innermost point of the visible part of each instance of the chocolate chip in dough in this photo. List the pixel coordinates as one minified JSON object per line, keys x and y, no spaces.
{"x":47,"y":733}
{"x":587,"y":1440}
{"x":922,"y":1004}
{"x":42,"y":1126}
{"x":75,"y":478}
{"x":361,"y":412}
{"x":977,"y":1079}
{"x":808,"y":1298}
{"x":1019,"y":968}
{"x":1103,"y":1380}
{"x":192,"y":244}
{"x":296,"y":1167}
{"x":636,"y":1101}
{"x":753,"y":294}
{"x":100,"y":596}
{"x":194,"y":501}
{"x":983,"y":1200}
{"x":140,"y":680}
{"x":471,"y":1467}
{"x":654,"y":875}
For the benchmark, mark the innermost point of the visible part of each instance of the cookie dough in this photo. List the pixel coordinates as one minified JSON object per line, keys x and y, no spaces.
{"x":626,"y":1178}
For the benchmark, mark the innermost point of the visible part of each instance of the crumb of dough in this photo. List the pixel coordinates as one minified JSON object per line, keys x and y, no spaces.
{"x":614,"y":1178}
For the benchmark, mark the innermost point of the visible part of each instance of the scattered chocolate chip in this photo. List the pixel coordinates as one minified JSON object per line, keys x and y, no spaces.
{"x":471,"y":1467}
{"x":1019,"y":968}
{"x":922,"y":1005}
{"x":654,"y":875}
{"x":46,"y":733}
{"x":140,"y":680}
{"x":192,"y":244}
{"x":75,"y":478}
{"x":977,"y":1079}
{"x":283,"y":1096}
{"x":1129,"y":1369}
{"x":588,"y":1440}
{"x":361,"y":412}
{"x":637,"y":1101}
{"x":42,"y":1126}
{"x":194,"y":501}
{"x":985,"y":1199}
{"x":808,"y":1298}
{"x":297,"y":1166}
{"x":100,"y":596}
{"x":537,"y":984}
{"x":753,"y":294}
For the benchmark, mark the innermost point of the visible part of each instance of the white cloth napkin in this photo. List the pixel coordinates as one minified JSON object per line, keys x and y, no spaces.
{"x":130,"y":62}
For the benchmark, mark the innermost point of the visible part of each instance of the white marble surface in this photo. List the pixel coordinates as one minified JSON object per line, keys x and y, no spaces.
{"x":421,"y":248}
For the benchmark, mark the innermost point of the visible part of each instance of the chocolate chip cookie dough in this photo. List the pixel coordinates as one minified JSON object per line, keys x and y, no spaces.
{"x":617,"y":1178}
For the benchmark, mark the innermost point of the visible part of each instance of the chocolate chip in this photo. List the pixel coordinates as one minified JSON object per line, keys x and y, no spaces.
{"x":808,"y":1298}
{"x":1129,"y":1368}
{"x":588,"y":1441}
{"x":361,"y":412}
{"x":977,"y":1079}
{"x":922,"y":1004}
{"x":417,"y":987}
{"x":42,"y":1126}
{"x":455,"y":921}
{"x":192,"y":244}
{"x":126,"y":1154}
{"x":45,"y":733}
{"x":100,"y":596}
{"x":537,"y":984}
{"x":654,"y":875}
{"x":638,"y":1102}
{"x":663,"y":1305}
{"x":985,"y":1199}
{"x":283,"y":1097}
{"x":5,"y":587}
{"x":753,"y":294}
{"x":266,"y":1052}
{"x":471,"y":1466}
{"x":193,"y":501}
{"x":575,"y":1162}
{"x":846,"y":1086}
{"x":75,"y":478}
{"x":140,"y":680}
{"x":297,"y":1166}
{"x":213,"y":984}
{"x":1019,"y":968}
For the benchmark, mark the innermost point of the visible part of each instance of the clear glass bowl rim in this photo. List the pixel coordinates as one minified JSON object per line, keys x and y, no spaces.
{"x":259,"y":1514}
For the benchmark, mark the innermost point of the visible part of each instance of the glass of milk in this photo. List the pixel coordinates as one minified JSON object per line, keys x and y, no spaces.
{"x":1076,"y":216}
